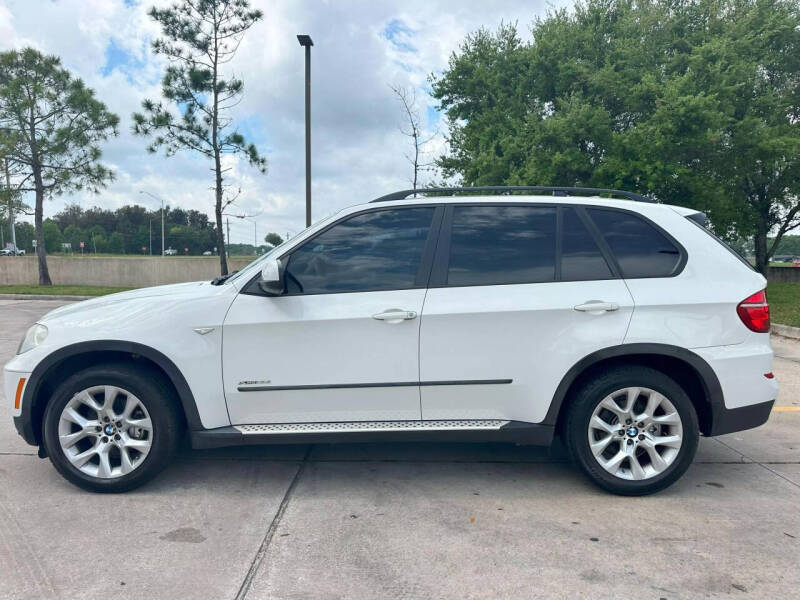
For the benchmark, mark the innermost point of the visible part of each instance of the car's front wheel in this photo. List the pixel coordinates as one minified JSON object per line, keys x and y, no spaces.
{"x":632,"y":430}
{"x":111,"y":428}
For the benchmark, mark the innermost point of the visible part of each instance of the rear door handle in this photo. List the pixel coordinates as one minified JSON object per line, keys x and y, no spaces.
{"x":395,"y":315}
{"x":597,"y":306}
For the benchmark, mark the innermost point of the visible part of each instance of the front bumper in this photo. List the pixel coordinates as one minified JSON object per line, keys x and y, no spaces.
{"x":15,"y":386}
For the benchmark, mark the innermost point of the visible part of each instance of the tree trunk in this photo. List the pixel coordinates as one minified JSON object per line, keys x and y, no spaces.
{"x":760,"y":244}
{"x":223,"y":259}
{"x":223,"y":255}
{"x":44,"y":274}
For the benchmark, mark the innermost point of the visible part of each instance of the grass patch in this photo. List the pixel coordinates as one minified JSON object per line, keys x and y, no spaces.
{"x":784,"y":303}
{"x":61,"y":290}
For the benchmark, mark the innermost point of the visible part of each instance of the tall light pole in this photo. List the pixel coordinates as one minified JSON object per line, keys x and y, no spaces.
{"x":162,"y":220}
{"x":10,"y":207}
{"x":255,"y":231}
{"x":306,"y":42}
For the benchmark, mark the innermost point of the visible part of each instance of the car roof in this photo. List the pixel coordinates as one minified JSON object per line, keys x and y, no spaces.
{"x":634,"y":205}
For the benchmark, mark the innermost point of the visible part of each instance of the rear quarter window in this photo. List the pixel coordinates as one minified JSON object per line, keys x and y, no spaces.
{"x":722,"y":243}
{"x":641,"y":250}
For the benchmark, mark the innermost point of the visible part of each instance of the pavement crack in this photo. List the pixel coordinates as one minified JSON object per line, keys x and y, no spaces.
{"x":763,"y":465}
{"x":273,"y":526}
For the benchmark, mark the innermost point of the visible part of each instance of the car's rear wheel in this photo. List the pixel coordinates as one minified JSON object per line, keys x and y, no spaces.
{"x":632,"y":430}
{"x":111,"y":428}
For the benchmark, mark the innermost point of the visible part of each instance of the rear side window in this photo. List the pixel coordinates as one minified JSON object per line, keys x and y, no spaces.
{"x":493,"y":245}
{"x":581,"y":259}
{"x":640,"y":249}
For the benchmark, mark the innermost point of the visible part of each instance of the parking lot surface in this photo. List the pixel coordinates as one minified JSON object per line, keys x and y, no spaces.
{"x":405,"y":520}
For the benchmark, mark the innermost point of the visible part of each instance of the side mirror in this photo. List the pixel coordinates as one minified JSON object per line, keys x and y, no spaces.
{"x":271,"y":282}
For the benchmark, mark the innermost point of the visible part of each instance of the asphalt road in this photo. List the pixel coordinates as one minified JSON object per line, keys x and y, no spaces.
{"x":405,"y":520}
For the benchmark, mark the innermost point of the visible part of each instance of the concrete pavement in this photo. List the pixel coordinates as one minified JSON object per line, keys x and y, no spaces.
{"x":404,"y":520}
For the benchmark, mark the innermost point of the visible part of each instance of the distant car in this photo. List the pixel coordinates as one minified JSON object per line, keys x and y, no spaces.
{"x":11,"y":252}
{"x":796,"y":262}
{"x":623,"y":326}
{"x":207,"y":253}
{"x":170,"y":252}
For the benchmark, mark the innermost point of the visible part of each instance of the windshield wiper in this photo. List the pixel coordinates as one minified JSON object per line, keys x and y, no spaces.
{"x":223,"y":278}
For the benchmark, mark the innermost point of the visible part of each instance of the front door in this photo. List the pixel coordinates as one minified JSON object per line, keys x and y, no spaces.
{"x":519,"y":294}
{"x":342,"y":342}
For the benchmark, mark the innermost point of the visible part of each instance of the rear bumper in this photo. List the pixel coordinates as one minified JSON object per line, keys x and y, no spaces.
{"x":747,"y":393}
{"x":728,"y":420}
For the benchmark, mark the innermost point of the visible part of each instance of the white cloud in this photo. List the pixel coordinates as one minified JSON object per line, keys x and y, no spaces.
{"x":356,"y":142}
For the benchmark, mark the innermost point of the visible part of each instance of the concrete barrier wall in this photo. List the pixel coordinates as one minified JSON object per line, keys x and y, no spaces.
{"x":139,"y":271}
{"x":142,"y":271}
{"x":784,"y":275}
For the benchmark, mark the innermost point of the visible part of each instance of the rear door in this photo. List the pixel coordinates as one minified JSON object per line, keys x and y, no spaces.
{"x":519,"y":293}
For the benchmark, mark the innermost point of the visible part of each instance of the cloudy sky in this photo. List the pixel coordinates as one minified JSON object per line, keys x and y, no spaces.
{"x":361,"y":47}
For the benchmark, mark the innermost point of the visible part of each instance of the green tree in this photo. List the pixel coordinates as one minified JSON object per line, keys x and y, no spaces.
{"x":25,"y":236}
{"x":54,"y":124}
{"x":273,"y":239}
{"x":116,"y":243}
{"x":52,"y":236}
{"x":200,"y":37}
{"x":694,"y":103}
{"x":74,"y":236}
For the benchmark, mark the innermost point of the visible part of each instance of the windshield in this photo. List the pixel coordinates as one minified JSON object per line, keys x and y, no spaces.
{"x":260,"y":259}
{"x":276,"y":251}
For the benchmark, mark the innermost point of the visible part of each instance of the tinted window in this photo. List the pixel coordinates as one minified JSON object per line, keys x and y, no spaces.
{"x":378,"y":250}
{"x":640,"y":249}
{"x":581,"y":259}
{"x":723,"y":243}
{"x":502,"y":244}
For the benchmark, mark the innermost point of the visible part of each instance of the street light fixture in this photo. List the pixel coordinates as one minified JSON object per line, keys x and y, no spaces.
{"x":306,"y":42}
{"x":162,"y":221}
{"x":255,"y":229}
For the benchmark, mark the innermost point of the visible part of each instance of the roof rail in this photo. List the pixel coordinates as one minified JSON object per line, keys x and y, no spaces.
{"x":508,"y":189}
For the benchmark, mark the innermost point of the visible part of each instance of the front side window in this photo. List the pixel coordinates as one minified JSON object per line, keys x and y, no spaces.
{"x":377,"y":250}
{"x":640,"y":249}
{"x":493,"y":245}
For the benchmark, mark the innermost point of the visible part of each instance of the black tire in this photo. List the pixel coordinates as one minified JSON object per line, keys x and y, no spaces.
{"x":157,"y":397}
{"x":586,"y":399}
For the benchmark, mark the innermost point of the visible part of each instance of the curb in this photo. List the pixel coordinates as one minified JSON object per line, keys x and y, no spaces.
{"x":46,"y":297}
{"x":786,"y":331}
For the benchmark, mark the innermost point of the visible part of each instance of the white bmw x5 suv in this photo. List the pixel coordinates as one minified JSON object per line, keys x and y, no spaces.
{"x":503,"y":314}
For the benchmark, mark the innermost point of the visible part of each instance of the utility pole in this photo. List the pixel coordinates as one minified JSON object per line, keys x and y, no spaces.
{"x":162,"y":221}
{"x":306,"y":42}
{"x":227,"y":237}
{"x":10,"y":206}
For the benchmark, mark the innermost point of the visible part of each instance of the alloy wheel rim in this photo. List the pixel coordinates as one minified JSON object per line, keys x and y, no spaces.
{"x":105,"y":431}
{"x":635,"y":433}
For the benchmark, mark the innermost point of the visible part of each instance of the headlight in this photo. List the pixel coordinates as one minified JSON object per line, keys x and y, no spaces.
{"x":34,"y":336}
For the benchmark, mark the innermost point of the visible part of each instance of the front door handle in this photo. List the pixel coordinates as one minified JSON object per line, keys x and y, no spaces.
{"x":395,"y":315}
{"x":597,"y":307}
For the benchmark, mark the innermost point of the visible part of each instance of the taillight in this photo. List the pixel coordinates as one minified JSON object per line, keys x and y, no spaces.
{"x":754,"y":312}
